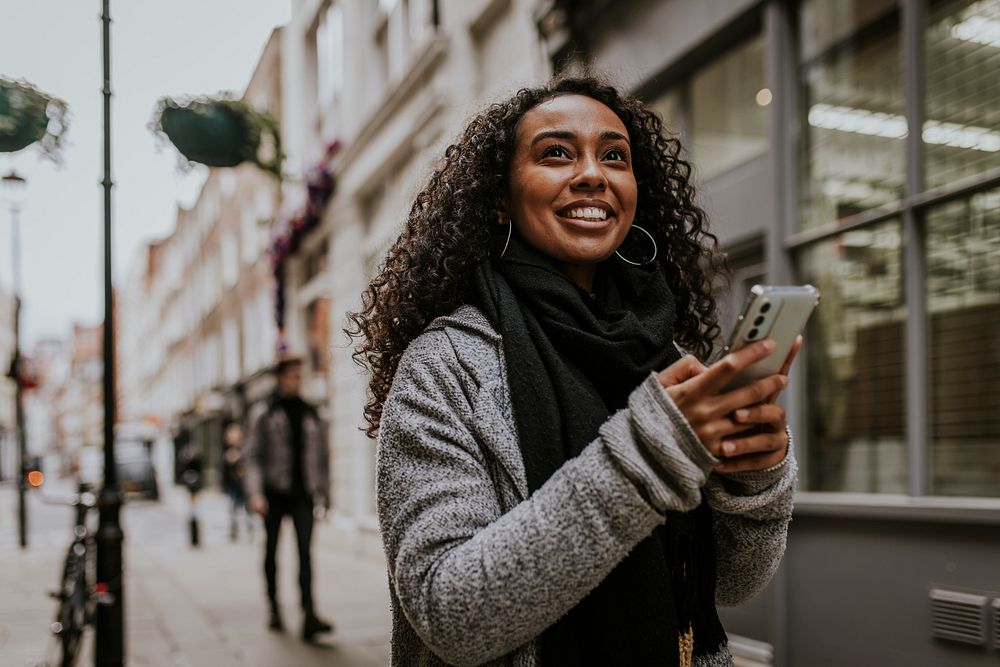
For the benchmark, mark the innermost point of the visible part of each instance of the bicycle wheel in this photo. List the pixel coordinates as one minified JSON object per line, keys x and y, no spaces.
{"x":71,"y":618}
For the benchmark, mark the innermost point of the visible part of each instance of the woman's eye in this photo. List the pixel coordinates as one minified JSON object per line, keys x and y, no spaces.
{"x":615,"y":154}
{"x":556,"y":151}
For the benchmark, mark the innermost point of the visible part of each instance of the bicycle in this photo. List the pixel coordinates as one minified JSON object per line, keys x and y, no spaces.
{"x":77,"y":594}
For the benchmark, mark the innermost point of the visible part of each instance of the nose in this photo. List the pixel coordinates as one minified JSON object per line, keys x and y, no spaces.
{"x":590,"y":175}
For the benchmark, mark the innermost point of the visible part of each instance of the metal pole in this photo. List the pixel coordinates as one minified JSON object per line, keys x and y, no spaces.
{"x":22,"y":436}
{"x":109,"y":627}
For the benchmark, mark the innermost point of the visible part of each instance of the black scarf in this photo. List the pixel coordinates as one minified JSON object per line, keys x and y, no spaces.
{"x":573,"y":358}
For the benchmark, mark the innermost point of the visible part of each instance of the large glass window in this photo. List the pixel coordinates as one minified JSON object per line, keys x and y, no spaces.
{"x":668,"y":105}
{"x":962,"y":129}
{"x":855,"y":414}
{"x":728,"y":110}
{"x":854,"y":127}
{"x":963,"y":310}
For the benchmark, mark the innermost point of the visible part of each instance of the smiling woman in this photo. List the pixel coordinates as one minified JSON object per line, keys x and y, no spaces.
{"x":557,"y":484}
{"x":572,"y":191}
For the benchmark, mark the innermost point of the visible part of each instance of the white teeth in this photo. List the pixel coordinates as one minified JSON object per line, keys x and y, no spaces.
{"x":588,"y":213}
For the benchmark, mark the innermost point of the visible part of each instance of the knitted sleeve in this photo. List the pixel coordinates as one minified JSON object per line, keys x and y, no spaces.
{"x":751,"y":512}
{"x":475,"y":581}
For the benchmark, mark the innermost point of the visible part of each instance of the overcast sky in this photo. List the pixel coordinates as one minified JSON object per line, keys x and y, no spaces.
{"x":158,"y":48}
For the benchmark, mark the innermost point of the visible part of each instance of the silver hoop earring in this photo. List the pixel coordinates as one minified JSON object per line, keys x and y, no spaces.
{"x":648,"y":261}
{"x":509,"y":228}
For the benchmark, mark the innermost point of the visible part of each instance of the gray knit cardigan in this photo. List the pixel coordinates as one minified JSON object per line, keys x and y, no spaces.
{"x":477,"y":568}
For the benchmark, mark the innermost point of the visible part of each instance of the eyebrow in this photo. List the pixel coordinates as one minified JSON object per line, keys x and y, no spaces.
{"x":607,"y":135}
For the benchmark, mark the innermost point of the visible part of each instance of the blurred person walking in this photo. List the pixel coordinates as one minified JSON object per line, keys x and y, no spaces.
{"x":287,"y":473}
{"x":233,"y":474}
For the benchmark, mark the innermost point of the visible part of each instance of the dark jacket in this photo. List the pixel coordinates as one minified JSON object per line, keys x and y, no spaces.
{"x":269,"y":454}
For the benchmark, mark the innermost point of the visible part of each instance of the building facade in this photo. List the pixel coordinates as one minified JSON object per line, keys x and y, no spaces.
{"x":392,"y":81}
{"x":198,"y":324}
{"x":854,"y":146}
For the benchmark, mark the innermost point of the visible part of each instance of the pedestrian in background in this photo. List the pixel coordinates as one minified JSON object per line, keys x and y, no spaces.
{"x":287,"y":466}
{"x":558,"y":484}
{"x":233,"y":475}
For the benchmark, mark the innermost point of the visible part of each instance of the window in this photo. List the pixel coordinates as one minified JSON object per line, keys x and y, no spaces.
{"x":853,"y":148}
{"x":248,"y":235}
{"x":230,"y":262}
{"x":318,"y":332}
{"x":251,"y":338}
{"x":330,"y":55}
{"x":861,"y":431}
{"x":400,"y":28}
{"x":728,"y":110}
{"x":668,"y":105}
{"x":231,"y":351}
{"x":962,"y":58}
{"x":962,"y":258}
{"x":720,"y":111}
{"x":855,"y":417}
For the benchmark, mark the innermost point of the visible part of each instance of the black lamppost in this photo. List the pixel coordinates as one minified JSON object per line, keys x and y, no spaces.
{"x":13,"y":187}
{"x":109,"y":626}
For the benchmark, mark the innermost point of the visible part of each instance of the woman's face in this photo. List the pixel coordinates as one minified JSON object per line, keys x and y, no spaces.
{"x":572,"y":191}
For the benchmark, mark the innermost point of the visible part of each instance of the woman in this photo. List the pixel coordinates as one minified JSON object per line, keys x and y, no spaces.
{"x":557,"y":484}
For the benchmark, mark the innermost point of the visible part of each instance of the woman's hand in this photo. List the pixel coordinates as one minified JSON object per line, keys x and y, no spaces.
{"x":771,"y":420}
{"x":696,"y":391}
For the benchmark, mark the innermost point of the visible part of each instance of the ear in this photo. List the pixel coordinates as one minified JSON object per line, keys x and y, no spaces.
{"x":503,"y":217}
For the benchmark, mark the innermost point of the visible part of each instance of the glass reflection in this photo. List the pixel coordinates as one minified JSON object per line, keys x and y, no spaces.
{"x":855,"y":416}
{"x":963,"y":307}
{"x":962,"y":130}
{"x":852,"y":141}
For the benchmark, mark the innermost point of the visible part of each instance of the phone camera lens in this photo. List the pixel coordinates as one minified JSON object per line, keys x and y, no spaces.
{"x":752,"y":334}
{"x":759,"y":321}
{"x":764,"y":307}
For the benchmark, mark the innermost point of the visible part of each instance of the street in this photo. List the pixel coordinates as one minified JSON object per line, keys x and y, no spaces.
{"x":188,"y":607}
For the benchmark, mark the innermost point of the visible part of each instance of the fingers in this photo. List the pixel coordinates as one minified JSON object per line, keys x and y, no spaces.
{"x":722,"y":371}
{"x":681,"y":370}
{"x":767,"y":413}
{"x":760,"y":446}
{"x":750,"y":395}
{"x":796,"y":346}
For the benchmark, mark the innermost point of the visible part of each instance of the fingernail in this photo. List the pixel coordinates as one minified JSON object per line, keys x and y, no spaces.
{"x":728,"y":447}
{"x":742,"y":414}
{"x":769,"y":345}
{"x":784,"y":380}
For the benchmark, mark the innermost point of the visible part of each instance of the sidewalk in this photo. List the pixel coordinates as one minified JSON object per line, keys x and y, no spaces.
{"x":189,"y":607}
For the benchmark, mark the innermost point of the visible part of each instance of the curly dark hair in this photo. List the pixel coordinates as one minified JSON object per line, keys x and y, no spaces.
{"x":453,"y":224}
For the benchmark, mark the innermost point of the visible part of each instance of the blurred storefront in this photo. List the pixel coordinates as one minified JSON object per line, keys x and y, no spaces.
{"x":855,"y":146}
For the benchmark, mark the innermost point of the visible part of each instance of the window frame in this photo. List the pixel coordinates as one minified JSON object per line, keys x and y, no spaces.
{"x":782,"y":27}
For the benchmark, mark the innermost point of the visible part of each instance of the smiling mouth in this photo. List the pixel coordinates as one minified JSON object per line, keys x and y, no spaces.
{"x":585,"y":214}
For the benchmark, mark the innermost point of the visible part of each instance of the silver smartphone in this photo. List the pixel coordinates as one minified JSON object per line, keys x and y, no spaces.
{"x":776,"y":312}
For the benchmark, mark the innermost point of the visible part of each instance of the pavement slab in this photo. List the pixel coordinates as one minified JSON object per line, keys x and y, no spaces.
{"x":194,"y":607}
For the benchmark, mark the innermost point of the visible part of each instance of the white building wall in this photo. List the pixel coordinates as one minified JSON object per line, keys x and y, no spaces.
{"x":400,"y":104}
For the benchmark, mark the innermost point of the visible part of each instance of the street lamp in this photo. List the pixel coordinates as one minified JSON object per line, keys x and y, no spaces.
{"x":14,"y":186}
{"x":109,"y":619}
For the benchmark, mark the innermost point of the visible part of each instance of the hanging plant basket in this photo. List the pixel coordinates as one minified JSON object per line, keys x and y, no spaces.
{"x":29,"y":116}
{"x":220,"y":132}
